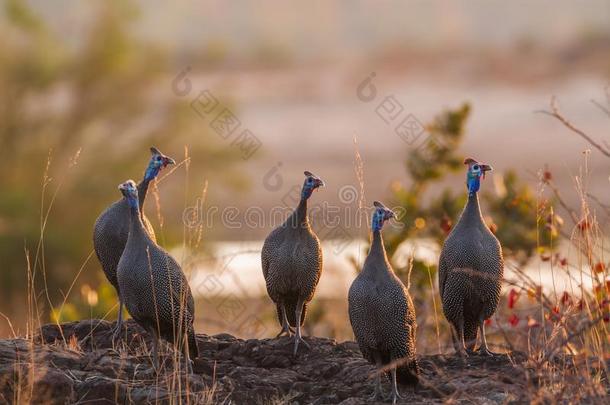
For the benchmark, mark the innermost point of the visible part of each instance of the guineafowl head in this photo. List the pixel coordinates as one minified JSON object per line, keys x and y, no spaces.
{"x":129,"y":189}
{"x":157,"y":162}
{"x":311,"y":183}
{"x":381,"y":214}
{"x":475,"y":172}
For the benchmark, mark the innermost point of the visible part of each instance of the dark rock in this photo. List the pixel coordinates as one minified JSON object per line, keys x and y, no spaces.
{"x":51,"y":387}
{"x":231,"y":370}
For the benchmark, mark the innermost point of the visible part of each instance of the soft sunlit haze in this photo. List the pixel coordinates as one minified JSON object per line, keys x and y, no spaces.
{"x":245,"y":96}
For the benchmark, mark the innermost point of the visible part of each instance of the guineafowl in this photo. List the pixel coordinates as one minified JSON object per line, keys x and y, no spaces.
{"x":292,"y":264}
{"x":470,"y":270}
{"x":153,"y":287}
{"x":111,"y":228}
{"x":382,"y":314}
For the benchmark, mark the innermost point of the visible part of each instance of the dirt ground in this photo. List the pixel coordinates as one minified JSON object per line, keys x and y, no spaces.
{"x":231,"y":370}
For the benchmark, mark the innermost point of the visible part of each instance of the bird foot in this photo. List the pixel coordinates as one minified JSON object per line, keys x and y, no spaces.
{"x":395,"y":396}
{"x":189,"y":366}
{"x":298,"y":339}
{"x":377,"y":395}
{"x":117,"y":333}
{"x":485,"y":352}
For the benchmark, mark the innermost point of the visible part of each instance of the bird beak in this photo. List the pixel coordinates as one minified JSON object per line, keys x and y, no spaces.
{"x":486,"y":168}
{"x":168,"y":161}
{"x":320,"y":183}
{"x":390,"y":215}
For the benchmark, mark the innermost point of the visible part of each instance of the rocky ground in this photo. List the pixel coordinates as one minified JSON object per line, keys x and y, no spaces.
{"x":231,"y":370}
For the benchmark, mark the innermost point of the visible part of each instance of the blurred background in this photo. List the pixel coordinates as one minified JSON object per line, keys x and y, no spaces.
{"x":247,"y":95}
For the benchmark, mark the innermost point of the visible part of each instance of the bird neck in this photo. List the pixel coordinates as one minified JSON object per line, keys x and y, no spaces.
{"x":472,"y":211}
{"x":136,"y":226}
{"x":376,"y":265}
{"x":142,"y":190}
{"x":377,"y":247}
{"x":299,"y":216}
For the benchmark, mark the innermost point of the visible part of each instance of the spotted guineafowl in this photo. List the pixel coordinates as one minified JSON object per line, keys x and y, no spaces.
{"x":292,"y":264}
{"x":153,"y":287}
{"x":382,"y":314}
{"x":111,"y":228}
{"x":470,"y":270}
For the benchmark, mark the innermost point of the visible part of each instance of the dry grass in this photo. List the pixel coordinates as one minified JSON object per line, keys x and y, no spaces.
{"x":565,"y":335}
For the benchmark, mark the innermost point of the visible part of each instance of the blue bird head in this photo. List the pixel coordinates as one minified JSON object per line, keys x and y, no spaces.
{"x":157,"y":162}
{"x":381,"y":214}
{"x":129,"y":189}
{"x":311,"y":183}
{"x":475,"y":172}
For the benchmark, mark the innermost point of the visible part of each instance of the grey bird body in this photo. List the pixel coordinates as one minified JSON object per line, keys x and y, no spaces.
{"x":470,"y":274}
{"x":292,"y":264}
{"x":154,"y":288}
{"x":382,"y":315}
{"x":111,"y":229}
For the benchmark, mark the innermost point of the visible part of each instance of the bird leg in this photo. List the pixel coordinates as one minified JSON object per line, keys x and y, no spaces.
{"x":285,"y":326}
{"x":116,"y":333}
{"x":484,"y":349}
{"x":395,"y":393}
{"x":378,"y":393}
{"x":155,"y":349}
{"x":457,"y":333}
{"x":187,"y":357}
{"x":297,"y":336}
{"x":186,"y":353}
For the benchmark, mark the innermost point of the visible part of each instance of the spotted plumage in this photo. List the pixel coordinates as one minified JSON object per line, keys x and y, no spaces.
{"x":381,"y":312}
{"x":111,"y":227}
{"x":153,"y":287}
{"x":292,"y":264}
{"x":470,"y":270}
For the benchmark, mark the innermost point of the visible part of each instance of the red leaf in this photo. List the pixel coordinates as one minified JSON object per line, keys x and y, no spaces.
{"x":513,"y":296}
{"x":488,"y":322}
{"x":513,"y":320}
{"x":599,"y":267}
{"x":547,"y":175}
{"x":583,"y":225}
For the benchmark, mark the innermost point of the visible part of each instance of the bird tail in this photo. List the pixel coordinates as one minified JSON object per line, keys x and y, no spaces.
{"x":291,"y":308}
{"x":470,"y":335}
{"x":193,"y":349}
{"x":407,"y":374}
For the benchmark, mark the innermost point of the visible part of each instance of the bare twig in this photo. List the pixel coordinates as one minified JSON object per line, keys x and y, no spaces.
{"x":555,"y":113}
{"x":601,"y":107}
{"x":605,"y":207}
